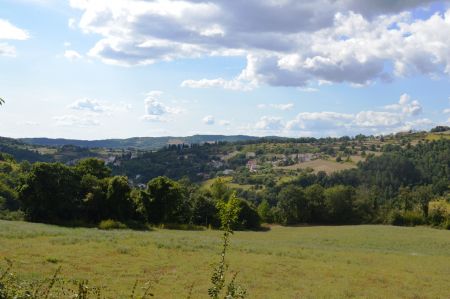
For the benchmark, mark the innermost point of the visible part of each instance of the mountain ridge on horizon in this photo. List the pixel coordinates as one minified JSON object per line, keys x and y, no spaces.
{"x":136,"y":142}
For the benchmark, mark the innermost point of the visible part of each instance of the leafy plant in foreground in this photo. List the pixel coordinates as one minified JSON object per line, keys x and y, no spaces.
{"x":228,"y":214}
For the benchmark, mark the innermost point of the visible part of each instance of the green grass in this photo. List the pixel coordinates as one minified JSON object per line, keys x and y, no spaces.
{"x":438,"y":136}
{"x":228,"y":181}
{"x":286,"y":262}
{"x":320,"y":165}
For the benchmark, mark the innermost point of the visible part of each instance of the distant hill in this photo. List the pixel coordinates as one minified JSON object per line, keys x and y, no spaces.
{"x":21,"y":151}
{"x":144,"y":143}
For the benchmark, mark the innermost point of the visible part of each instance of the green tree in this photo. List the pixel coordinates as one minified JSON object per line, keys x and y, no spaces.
{"x":220,"y":190}
{"x":51,"y":193}
{"x":93,"y":166}
{"x":118,"y":202}
{"x":423,"y":195}
{"x":292,"y":205}
{"x":164,"y":199}
{"x":265,"y":212}
{"x":204,"y":210}
{"x":339,"y":204}
{"x":316,"y":201}
{"x":248,"y":217}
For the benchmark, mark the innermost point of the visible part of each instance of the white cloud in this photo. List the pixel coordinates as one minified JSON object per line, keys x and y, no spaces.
{"x":268,"y":123}
{"x":286,"y":42}
{"x":219,"y":82}
{"x":319,"y":120}
{"x":283,"y":107}
{"x":88,"y":105}
{"x":72,"y":55}
{"x":72,"y":23}
{"x":7,"y":50}
{"x":155,"y":109}
{"x":10,"y":32}
{"x":76,"y":121}
{"x":209,"y":120}
{"x":446,"y":111}
{"x":406,"y":106}
{"x":96,"y":106}
{"x":308,"y":89}
{"x":402,"y":118}
{"x":377,"y":119}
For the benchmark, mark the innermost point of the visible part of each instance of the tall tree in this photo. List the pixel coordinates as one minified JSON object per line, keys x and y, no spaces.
{"x":51,"y":193}
{"x":165,"y":197}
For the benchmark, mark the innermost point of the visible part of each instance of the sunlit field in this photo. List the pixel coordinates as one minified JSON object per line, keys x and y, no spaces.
{"x":364,"y":261}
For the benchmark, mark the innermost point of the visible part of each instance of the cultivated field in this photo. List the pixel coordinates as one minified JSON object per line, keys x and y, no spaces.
{"x":285,"y":262}
{"x":321,"y":165}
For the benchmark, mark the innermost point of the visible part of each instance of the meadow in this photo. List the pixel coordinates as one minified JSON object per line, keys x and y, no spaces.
{"x":365,"y":261}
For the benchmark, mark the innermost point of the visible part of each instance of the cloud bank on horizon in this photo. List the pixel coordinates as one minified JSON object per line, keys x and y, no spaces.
{"x":299,"y":46}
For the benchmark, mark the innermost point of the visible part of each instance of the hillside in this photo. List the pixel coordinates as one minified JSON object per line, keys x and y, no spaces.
{"x":142,"y":143}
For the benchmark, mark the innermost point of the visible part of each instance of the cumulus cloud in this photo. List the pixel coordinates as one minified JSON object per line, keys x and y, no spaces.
{"x":319,"y":120}
{"x":268,"y":123}
{"x":10,"y":32}
{"x":155,"y":109}
{"x":377,"y":119}
{"x":72,"y":55}
{"x":209,"y":120}
{"x":286,"y":43}
{"x":401,"y":116}
{"x":406,"y":106}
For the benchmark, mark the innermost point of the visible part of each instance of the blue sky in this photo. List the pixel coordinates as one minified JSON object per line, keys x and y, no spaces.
{"x":122,"y":68}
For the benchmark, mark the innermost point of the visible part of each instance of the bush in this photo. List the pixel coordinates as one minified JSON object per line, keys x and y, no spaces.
{"x":446,"y":224}
{"x":407,"y":218}
{"x":12,"y":215}
{"x":439,"y":213}
{"x":111,"y":224}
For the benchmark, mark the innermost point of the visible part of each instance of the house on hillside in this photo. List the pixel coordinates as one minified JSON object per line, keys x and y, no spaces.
{"x":252,"y":166}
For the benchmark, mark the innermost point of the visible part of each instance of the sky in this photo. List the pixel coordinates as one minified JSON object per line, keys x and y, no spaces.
{"x":97,"y":69}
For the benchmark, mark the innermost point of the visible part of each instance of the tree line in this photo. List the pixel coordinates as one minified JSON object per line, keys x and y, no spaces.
{"x":405,"y":185}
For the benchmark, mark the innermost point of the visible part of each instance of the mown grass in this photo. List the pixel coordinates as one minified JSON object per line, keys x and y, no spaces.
{"x":286,"y":262}
{"x":320,"y":165}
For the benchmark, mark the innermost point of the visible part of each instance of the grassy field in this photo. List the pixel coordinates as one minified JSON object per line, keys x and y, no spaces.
{"x":321,"y":165}
{"x":286,"y":262}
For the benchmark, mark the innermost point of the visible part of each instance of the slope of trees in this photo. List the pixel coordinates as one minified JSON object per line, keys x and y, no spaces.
{"x":394,"y":187}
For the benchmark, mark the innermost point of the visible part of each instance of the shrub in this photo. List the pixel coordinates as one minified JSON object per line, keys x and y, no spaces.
{"x":439,"y":213}
{"x":407,"y":218}
{"x":111,"y":224}
{"x":446,"y":224}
